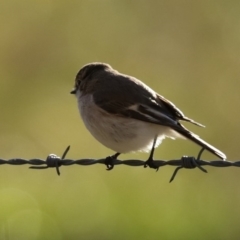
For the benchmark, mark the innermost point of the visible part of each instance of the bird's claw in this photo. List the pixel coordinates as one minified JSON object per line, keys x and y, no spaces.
{"x":150,"y":163}
{"x":109,"y":161}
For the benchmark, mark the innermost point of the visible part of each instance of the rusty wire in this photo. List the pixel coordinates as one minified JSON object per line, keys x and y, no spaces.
{"x":54,"y":161}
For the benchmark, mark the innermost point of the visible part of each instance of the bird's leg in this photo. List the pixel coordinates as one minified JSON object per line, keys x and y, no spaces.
{"x":150,"y":163}
{"x":109,"y":161}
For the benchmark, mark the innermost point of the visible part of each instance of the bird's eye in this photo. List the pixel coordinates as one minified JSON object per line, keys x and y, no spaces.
{"x":77,"y":84}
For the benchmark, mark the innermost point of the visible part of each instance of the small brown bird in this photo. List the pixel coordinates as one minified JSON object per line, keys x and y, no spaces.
{"x":126,"y":115}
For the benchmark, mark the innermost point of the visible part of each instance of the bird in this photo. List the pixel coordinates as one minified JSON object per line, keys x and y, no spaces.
{"x":125,"y":115}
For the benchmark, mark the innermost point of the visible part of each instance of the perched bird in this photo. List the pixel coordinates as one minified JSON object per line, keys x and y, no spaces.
{"x":126,"y":115}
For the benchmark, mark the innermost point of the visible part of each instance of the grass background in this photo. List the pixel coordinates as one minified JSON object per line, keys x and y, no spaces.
{"x":188,"y":51}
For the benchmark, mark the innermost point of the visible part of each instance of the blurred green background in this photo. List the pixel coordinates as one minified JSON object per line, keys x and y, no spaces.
{"x":188,"y":51}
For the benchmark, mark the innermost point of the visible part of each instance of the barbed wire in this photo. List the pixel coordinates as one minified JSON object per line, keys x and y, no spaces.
{"x":54,"y":161}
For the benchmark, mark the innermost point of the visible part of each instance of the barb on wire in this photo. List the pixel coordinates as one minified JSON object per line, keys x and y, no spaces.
{"x":54,"y":161}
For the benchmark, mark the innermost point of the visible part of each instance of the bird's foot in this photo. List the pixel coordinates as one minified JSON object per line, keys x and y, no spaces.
{"x":109,"y":161}
{"x":151,"y":163}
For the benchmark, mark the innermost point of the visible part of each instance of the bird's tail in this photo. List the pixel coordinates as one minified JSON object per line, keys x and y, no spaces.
{"x":193,"y":137}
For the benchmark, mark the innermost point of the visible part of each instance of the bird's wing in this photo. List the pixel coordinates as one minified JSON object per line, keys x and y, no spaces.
{"x":135,"y":100}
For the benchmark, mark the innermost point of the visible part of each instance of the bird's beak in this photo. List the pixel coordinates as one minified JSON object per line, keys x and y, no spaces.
{"x":73,"y":91}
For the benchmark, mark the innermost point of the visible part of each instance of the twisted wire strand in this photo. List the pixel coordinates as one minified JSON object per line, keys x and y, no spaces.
{"x":54,"y":161}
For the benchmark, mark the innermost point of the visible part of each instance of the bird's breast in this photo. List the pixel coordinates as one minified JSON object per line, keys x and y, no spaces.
{"x":121,"y":134}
